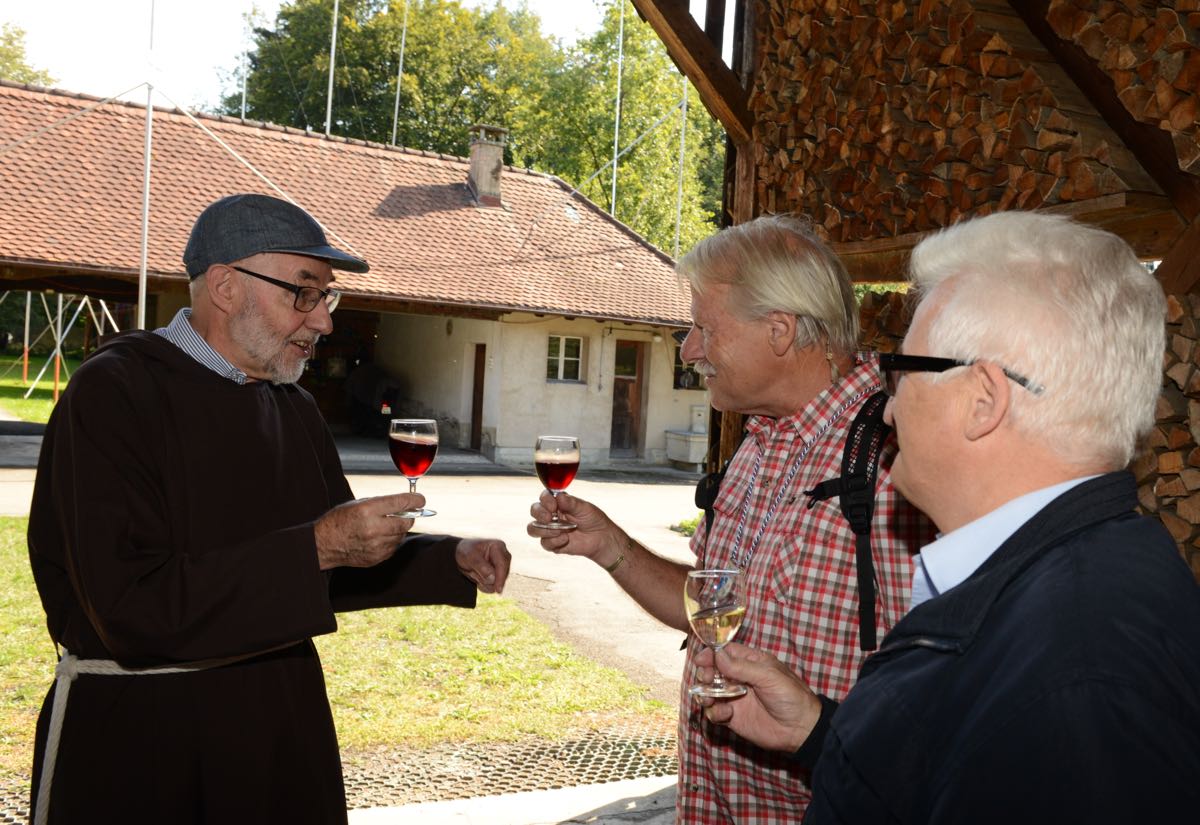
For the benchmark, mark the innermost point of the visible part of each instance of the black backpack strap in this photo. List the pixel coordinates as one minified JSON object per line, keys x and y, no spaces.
{"x":855,"y":489}
{"x":707,"y":490}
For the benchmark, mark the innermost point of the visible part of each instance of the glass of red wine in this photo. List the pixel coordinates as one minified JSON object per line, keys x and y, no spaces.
{"x":556,"y":458}
{"x":413,"y":443}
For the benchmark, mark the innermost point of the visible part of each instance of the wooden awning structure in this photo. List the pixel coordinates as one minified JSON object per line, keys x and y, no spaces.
{"x":885,"y":120}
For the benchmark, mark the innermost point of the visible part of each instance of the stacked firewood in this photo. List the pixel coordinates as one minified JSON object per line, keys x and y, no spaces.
{"x":1168,"y":471}
{"x":885,"y":117}
{"x":1149,"y":50}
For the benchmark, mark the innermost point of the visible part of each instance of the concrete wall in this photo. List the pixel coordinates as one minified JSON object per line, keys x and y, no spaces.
{"x":434,"y":358}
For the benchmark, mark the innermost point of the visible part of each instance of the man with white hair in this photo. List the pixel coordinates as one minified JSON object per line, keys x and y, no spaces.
{"x":775,"y":330}
{"x":1048,"y":669}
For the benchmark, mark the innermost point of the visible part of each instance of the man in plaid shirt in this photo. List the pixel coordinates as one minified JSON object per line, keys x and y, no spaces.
{"x":775,"y":329}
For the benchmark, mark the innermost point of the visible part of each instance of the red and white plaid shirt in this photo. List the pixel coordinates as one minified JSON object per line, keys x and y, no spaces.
{"x":801,"y":591}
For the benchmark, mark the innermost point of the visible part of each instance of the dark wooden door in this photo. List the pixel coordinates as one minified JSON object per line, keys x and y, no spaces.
{"x":477,"y":397}
{"x":627,"y":400}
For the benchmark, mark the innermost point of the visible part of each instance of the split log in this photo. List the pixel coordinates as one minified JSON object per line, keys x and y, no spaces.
{"x":907,"y":116}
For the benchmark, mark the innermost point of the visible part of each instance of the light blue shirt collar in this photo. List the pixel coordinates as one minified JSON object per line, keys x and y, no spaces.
{"x":948,"y":561}
{"x":181,"y":333}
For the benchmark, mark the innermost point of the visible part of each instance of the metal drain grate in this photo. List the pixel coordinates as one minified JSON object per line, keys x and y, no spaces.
{"x":403,"y":776}
{"x":400,"y":776}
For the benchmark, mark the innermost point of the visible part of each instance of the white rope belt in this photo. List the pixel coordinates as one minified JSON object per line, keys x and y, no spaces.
{"x":69,"y":667}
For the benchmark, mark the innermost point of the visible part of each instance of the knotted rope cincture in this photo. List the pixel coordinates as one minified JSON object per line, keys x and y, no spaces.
{"x":69,"y":668}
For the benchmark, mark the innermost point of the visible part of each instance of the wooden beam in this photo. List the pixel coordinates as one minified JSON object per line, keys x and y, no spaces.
{"x":745,"y":175}
{"x":714,"y":22}
{"x":1179,"y":271}
{"x":1148,"y":222}
{"x":694,"y":54}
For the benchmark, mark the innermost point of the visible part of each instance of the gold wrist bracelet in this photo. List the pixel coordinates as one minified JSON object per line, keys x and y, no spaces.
{"x":612,"y":568}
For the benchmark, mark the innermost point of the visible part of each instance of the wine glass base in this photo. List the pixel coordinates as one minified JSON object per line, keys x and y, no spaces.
{"x":413,"y":514}
{"x":726,"y":691}
{"x":561,"y":526}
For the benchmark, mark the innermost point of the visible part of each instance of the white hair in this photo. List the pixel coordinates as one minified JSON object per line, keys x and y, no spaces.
{"x":1066,"y":305}
{"x":776,"y":263}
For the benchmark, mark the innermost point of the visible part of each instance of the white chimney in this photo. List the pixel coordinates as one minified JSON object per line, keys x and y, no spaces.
{"x":487,"y":159}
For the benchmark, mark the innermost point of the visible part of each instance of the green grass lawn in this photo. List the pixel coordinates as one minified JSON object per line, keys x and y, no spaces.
{"x":401,"y":676}
{"x":41,"y":401}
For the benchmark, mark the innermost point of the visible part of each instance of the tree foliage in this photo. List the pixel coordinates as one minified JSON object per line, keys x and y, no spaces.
{"x":493,"y":65}
{"x":13,"y":63}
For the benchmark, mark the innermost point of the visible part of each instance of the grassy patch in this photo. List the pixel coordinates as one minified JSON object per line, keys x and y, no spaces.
{"x":26,"y":652}
{"x":41,"y":401}
{"x":688,"y":526}
{"x":426,"y":675}
{"x":416,"y":676}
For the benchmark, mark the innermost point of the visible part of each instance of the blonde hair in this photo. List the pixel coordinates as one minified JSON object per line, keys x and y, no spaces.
{"x":776,"y":263}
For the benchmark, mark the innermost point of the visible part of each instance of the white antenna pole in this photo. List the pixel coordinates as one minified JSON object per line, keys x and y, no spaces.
{"x":243,"y":84}
{"x":400,"y":73}
{"x":612,"y":209}
{"x":682,"y":156}
{"x":332,"y":54}
{"x":146,"y":146}
{"x":58,"y":334}
{"x":25,"y":355}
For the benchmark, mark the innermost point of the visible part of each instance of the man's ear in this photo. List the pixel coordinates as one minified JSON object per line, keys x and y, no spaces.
{"x":781,"y":331}
{"x":991,"y":396}
{"x":222,"y":287}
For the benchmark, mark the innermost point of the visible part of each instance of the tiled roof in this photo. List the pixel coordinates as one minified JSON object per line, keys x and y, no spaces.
{"x":71,"y":198}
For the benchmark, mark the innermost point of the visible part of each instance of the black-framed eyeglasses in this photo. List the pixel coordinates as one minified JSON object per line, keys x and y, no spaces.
{"x":892,"y":364}
{"x":307,"y":297}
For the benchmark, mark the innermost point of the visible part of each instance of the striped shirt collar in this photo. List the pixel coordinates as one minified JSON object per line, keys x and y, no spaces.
{"x":181,"y":333}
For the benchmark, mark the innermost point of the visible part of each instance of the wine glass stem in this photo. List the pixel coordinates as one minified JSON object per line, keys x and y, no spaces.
{"x":554,"y":495}
{"x":718,"y":680}
{"x":412,"y":485}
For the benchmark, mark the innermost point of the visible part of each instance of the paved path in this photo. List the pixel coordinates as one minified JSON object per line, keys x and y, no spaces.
{"x":573,"y":597}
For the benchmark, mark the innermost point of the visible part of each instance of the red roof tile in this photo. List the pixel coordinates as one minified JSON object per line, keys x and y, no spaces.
{"x":71,"y":197}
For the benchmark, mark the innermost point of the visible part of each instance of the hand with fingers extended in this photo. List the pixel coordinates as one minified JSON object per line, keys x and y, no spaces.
{"x":485,"y":562}
{"x":778,"y":712}
{"x":594,"y":530}
{"x":361,"y":533}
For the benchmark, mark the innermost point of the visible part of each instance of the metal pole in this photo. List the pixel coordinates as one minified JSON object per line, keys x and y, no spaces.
{"x":612,"y":209}
{"x":332,"y":55}
{"x":682,"y":156}
{"x":57,"y":346}
{"x":243,"y":85}
{"x":146,"y":146}
{"x":25,"y":356}
{"x":400,"y":73}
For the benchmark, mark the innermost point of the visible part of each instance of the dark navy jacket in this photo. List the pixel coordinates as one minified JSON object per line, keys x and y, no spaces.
{"x":1059,"y":683}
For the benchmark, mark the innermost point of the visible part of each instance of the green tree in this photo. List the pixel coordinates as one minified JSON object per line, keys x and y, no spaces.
{"x":13,"y":64}
{"x":580,"y":115}
{"x":465,"y":66}
{"x":461,"y":66}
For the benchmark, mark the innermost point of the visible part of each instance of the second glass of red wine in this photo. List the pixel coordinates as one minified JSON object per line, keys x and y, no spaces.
{"x":413,"y":443}
{"x":556,"y":458}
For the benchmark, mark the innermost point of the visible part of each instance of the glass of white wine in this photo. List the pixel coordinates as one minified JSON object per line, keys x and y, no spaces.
{"x":716,"y":604}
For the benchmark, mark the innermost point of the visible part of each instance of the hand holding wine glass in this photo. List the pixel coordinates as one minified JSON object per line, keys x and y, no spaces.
{"x":413,"y":443}
{"x":556,"y":458}
{"x":715,"y":603}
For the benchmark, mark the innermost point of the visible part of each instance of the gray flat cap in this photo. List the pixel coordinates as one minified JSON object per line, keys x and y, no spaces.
{"x":239,"y":226}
